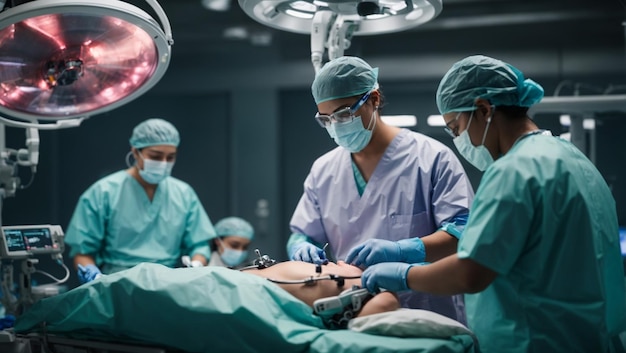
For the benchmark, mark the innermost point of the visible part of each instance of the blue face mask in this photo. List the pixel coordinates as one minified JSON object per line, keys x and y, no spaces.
{"x":351,"y":135}
{"x":478,"y":156}
{"x":154,"y":172}
{"x":232,"y":257}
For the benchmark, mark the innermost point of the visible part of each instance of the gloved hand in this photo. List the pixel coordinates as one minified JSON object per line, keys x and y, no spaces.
{"x":88,"y":273}
{"x":7,"y":322}
{"x":307,"y":252}
{"x":374,"y":251}
{"x":389,"y":275}
{"x":196,"y":263}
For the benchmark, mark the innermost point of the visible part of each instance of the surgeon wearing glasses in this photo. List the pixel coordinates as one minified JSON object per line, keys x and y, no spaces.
{"x":540,"y":255}
{"x":385,"y":193}
{"x":141,"y":214}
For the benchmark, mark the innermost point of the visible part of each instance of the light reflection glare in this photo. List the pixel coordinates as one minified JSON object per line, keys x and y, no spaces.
{"x":115,"y":54}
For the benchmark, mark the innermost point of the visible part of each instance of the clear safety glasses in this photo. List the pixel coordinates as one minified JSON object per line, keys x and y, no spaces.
{"x":455,"y":131}
{"x":343,"y":115}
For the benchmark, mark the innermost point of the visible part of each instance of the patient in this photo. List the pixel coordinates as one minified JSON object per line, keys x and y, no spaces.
{"x":308,"y":293}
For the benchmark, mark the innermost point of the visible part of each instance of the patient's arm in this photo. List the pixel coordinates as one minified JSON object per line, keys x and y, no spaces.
{"x":382,"y":302}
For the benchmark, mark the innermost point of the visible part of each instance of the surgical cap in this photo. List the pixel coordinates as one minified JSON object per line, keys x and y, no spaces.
{"x":154,"y":132}
{"x":234,"y":226}
{"x":346,"y":76}
{"x":480,"y":76}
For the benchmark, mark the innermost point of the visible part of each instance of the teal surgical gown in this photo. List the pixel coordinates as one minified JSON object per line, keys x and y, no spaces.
{"x":116,"y":222}
{"x":544,"y":219}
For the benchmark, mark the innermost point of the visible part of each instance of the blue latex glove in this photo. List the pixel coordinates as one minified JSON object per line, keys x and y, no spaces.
{"x":375,"y":251}
{"x":7,"y":322}
{"x":307,"y":252}
{"x":389,"y":275}
{"x":88,"y":273}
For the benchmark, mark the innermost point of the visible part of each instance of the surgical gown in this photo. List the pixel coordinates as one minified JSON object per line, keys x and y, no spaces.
{"x":116,"y":222}
{"x":545,"y":221}
{"x":418,"y":186}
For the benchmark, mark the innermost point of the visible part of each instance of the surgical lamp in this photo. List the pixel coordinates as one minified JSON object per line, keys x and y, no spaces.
{"x":62,"y":61}
{"x":332,"y":23}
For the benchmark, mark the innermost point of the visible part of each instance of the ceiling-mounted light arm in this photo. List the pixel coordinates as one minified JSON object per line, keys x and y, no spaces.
{"x":165,"y":23}
{"x":319,"y":37}
{"x":339,"y":38}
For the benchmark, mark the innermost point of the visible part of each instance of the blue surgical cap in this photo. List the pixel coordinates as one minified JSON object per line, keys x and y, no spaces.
{"x":234,"y":226}
{"x":346,"y":76}
{"x":154,"y":132}
{"x":480,"y":76}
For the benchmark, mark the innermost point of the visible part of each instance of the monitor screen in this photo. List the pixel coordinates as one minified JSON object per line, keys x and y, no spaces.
{"x":28,"y":239}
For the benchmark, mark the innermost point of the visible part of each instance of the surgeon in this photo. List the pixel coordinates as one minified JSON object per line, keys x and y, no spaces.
{"x":540,"y":255}
{"x":141,"y":214}
{"x":395,"y":188}
{"x":230,"y":247}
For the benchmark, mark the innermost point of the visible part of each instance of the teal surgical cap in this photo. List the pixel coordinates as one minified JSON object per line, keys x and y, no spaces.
{"x":234,"y":226}
{"x":480,"y":76}
{"x":346,"y":76}
{"x":154,"y":132}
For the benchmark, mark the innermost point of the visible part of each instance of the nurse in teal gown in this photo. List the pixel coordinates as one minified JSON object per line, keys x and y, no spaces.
{"x":141,"y":214}
{"x":539,"y":257}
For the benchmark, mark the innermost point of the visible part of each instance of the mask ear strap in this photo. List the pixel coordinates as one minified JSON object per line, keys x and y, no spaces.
{"x":130,"y":153}
{"x":374,"y":117}
{"x":488,"y":123}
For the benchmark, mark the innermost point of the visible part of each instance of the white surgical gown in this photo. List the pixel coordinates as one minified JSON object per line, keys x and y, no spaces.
{"x":545,"y":221}
{"x":116,"y":222}
{"x":418,"y":186}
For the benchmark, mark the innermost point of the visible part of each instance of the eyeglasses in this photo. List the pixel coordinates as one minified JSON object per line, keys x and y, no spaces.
{"x":343,"y":115}
{"x":453,"y":132}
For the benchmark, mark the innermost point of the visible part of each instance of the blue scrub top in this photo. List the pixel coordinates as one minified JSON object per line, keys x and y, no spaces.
{"x":116,"y":222}
{"x":544,"y":219}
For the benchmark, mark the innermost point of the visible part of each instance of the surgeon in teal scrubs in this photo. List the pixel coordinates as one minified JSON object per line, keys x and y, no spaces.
{"x":141,"y":214}
{"x":539,"y":256}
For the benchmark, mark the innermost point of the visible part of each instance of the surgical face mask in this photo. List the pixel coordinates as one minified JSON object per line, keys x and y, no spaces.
{"x":478,"y":156}
{"x":154,"y":172}
{"x":352,"y":135}
{"x":232,"y":257}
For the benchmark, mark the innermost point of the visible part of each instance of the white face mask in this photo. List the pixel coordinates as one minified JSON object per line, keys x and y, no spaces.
{"x":352,"y":135}
{"x":478,"y":156}
{"x":154,"y":172}
{"x":232,"y":257}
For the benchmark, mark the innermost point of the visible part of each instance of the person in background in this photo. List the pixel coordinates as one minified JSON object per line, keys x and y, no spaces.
{"x":403,"y":195}
{"x":141,"y":214}
{"x":230,"y":247}
{"x":540,"y":255}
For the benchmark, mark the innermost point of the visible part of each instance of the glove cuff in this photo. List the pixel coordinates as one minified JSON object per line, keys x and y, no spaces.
{"x":412,"y":250}
{"x":406,"y":277}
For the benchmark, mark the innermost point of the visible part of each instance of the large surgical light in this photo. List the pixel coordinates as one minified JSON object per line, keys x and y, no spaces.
{"x":332,"y":23}
{"x":64,"y":59}
{"x":373,"y":17}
